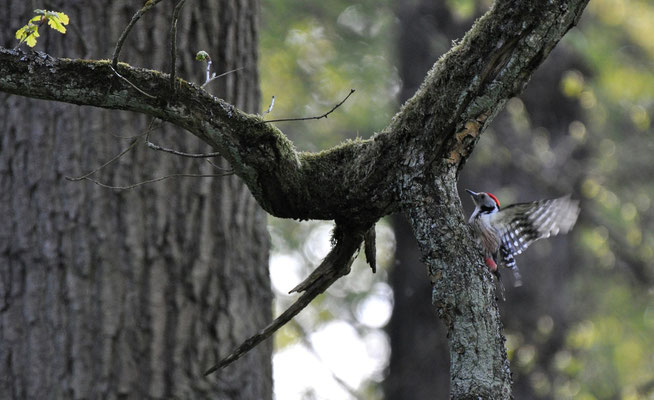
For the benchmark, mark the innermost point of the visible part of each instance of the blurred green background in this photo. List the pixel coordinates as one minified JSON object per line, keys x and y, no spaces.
{"x":582,"y":326}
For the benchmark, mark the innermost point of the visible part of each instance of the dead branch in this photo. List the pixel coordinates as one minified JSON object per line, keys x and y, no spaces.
{"x":214,"y":76}
{"x":175,"y":152}
{"x":180,"y":153}
{"x":217,"y":166}
{"x":116,"y":157}
{"x":128,"y":187}
{"x":335,"y":265}
{"x":131,"y":84}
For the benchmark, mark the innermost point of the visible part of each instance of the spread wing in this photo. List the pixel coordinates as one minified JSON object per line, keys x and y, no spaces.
{"x":523,"y":223}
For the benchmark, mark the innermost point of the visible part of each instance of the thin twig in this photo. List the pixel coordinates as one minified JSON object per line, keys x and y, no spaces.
{"x":173,"y":41}
{"x":134,"y":139}
{"x":122,"y":153}
{"x":214,"y":76}
{"x":180,"y":153}
{"x":309,"y":118}
{"x":157,"y":180}
{"x":218,"y":167}
{"x":148,"y":5}
{"x":171,"y":151}
{"x":131,"y":84}
{"x":151,"y":127}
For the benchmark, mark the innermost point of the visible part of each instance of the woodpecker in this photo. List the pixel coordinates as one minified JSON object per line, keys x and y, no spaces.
{"x":506,"y":233}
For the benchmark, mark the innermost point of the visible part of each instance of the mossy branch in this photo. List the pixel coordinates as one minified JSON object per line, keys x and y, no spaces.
{"x":358,"y":179}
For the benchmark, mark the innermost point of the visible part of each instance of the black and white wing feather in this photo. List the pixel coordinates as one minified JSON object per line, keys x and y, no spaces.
{"x":521,"y":224}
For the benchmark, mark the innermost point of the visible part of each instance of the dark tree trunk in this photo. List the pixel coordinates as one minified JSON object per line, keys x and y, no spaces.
{"x":129,"y":294}
{"x":419,"y":362}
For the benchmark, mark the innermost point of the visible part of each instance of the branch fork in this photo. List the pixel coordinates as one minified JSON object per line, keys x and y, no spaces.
{"x":411,"y":165}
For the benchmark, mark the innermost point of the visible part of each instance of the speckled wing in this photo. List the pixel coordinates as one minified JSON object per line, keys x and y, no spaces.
{"x":521,"y":224}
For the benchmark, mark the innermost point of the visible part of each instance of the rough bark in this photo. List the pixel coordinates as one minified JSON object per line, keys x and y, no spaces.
{"x":411,"y":165}
{"x":463,"y":291}
{"x":128,"y":295}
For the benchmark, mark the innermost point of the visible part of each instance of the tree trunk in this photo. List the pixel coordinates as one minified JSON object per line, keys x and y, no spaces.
{"x":130,"y":294}
{"x":461,"y":292}
{"x":426,"y":30}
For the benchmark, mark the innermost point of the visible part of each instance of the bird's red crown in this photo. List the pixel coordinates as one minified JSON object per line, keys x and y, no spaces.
{"x":492,"y":196}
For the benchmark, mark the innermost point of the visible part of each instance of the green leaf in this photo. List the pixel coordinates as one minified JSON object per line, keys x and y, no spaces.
{"x":28,"y":34}
{"x":31,"y":39}
{"x":57,"y":20}
{"x":56,"y":24}
{"x":63,"y":17}
{"x":20,"y":34}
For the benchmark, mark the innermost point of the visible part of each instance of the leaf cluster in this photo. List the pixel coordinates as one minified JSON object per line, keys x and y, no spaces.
{"x":28,"y":33}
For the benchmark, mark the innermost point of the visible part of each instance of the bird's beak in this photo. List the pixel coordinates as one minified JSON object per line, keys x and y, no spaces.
{"x":473,"y":194}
